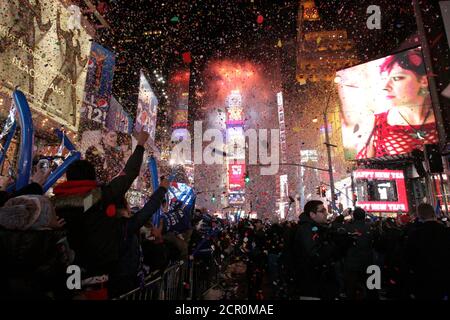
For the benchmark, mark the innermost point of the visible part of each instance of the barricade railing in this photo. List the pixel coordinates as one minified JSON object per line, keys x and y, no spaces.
{"x":184,"y":280}
{"x":169,"y":284}
{"x":206,"y":273}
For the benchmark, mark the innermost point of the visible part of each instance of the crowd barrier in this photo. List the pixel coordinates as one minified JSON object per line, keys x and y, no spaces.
{"x":170,"y":284}
{"x":184,"y":280}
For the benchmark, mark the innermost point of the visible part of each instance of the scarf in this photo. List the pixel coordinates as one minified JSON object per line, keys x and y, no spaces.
{"x":75,"y":187}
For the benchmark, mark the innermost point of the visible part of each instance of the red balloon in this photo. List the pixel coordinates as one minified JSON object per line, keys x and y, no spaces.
{"x":260,"y":19}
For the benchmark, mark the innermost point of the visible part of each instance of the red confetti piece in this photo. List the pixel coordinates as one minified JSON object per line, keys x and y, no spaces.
{"x":186,"y":57}
{"x":260,"y":19}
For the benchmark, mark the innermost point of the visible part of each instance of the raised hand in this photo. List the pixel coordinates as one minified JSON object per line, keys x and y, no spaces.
{"x":142,"y":137}
{"x":40,"y":176}
{"x":4,"y":182}
{"x":164,"y":183}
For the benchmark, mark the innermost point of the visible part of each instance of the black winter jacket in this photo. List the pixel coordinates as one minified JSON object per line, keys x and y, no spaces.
{"x":31,"y":264}
{"x":315,"y":253}
{"x":428,"y":255}
{"x":93,"y":235}
{"x":129,"y":235}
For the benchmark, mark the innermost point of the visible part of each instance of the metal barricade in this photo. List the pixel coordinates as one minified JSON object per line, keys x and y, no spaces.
{"x":168,"y":285}
{"x":174,"y":280}
{"x":206,"y":273}
{"x":150,"y":291}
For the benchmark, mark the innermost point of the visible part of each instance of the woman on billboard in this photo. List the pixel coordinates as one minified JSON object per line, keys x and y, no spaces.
{"x":408,"y":123}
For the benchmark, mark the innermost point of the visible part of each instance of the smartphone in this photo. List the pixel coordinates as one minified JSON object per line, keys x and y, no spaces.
{"x":44,"y":165}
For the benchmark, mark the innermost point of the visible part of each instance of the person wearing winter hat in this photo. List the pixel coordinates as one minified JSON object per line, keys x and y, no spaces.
{"x":92,"y":220}
{"x":29,"y":212}
{"x":30,"y":241}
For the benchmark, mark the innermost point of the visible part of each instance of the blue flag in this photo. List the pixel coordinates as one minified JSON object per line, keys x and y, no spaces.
{"x":437,"y":210}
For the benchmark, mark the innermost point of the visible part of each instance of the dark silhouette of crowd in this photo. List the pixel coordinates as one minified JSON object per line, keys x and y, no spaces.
{"x":321,"y":258}
{"x":115,"y":247}
{"x":86,"y":225}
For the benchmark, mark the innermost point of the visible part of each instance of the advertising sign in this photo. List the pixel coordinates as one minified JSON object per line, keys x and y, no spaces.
{"x":46,"y":56}
{"x":282,"y":125}
{"x":236,"y":198}
{"x":235,"y":114}
{"x":386,"y":106}
{"x":308,"y":155}
{"x":117,"y":118}
{"x":236,"y":177}
{"x":98,"y":84}
{"x":107,"y":150}
{"x":147,"y":108}
{"x":235,"y":143}
{"x":284,"y":191}
{"x":381,"y":190}
{"x":179,"y":94}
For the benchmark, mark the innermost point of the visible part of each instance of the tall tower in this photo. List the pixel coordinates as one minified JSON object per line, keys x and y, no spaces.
{"x":320,"y":52}
{"x":235,"y":149}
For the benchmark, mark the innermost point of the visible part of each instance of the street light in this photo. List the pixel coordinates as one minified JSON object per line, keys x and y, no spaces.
{"x":328,"y":144}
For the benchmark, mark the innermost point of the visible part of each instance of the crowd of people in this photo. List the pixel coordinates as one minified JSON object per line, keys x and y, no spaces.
{"x":83,"y":224}
{"x":320,"y":256}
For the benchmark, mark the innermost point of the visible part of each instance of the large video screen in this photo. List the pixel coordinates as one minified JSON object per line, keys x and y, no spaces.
{"x":386,"y":106}
{"x":381,"y":190}
{"x":44,"y":53}
{"x":147,"y":108}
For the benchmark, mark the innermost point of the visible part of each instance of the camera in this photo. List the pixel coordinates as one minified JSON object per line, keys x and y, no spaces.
{"x":43,"y":165}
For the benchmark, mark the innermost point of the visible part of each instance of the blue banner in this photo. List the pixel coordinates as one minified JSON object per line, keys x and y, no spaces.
{"x":98,"y":85}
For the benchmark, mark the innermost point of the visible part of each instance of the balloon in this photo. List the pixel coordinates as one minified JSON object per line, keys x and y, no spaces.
{"x":9,"y":137}
{"x":55,"y":175}
{"x":186,"y":57}
{"x":75,"y":155}
{"x":26,"y":140}
{"x":153,"y":168}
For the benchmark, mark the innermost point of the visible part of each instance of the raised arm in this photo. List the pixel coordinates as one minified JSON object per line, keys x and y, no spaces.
{"x":150,"y":208}
{"x":117,"y":188}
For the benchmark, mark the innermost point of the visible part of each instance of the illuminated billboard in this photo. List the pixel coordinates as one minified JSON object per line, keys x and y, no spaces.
{"x":235,"y":143}
{"x":179,"y":94}
{"x":235,"y":115}
{"x":308,"y":155}
{"x":381,"y":190}
{"x":236,"y":198}
{"x":147,"y":108}
{"x":98,"y":84}
{"x":386,"y":106}
{"x":107,"y":150}
{"x":236,"y":177}
{"x":46,"y":56}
